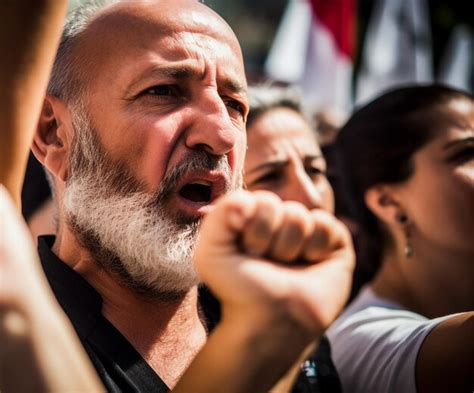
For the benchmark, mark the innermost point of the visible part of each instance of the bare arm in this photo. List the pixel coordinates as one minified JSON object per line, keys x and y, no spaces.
{"x":29,"y":35}
{"x":446,"y":359}
{"x":40,"y":351}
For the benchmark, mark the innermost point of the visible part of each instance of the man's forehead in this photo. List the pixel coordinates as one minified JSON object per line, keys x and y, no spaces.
{"x":161,"y":31}
{"x":163,"y":17}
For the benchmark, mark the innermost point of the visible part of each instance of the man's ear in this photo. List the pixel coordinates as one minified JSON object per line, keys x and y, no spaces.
{"x":382,"y":201}
{"x":52,"y":140}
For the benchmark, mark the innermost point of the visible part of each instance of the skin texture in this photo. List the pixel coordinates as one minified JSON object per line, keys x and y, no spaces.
{"x":153,"y":102}
{"x":438,"y":199}
{"x":284,"y":157}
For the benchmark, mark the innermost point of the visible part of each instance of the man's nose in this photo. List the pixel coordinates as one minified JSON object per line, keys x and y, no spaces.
{"x":212,"y":128}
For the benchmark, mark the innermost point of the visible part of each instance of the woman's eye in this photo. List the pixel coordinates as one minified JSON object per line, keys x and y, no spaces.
{"x":463,"y":155}
{"x":269,"y":177}
{"x":315,"y":171}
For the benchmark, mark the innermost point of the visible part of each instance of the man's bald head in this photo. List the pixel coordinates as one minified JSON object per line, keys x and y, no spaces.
{"x":94,"y":19}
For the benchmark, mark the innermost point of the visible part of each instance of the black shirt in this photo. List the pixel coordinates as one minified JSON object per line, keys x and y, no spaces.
{"x":120,"y":367}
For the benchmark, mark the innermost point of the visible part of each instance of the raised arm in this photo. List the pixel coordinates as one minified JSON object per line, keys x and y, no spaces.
{"x":282,"y":274}
{"x":29,"y":36}
{"x":39,"y":349}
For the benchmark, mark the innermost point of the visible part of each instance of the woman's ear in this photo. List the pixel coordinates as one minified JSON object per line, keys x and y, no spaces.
{"x":51,"y":142}
{"x":382,"y":201}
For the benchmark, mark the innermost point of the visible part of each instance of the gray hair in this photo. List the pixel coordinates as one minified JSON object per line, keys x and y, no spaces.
{"x":263,"y":98}
{"x":66,"y":76}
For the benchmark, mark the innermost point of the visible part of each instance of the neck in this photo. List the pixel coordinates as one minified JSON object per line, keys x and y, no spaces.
{"x":433,"y":282}
{"x":166,"y":332}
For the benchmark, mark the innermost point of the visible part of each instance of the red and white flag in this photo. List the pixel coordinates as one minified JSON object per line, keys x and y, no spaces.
{"x":314,"y":50}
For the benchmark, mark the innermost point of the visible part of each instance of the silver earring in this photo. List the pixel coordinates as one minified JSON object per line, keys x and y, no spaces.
{"x":402,"y":218}
{"x":408,"y":243}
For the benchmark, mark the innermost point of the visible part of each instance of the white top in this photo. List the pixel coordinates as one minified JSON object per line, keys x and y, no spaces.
{"x":375,"y":343}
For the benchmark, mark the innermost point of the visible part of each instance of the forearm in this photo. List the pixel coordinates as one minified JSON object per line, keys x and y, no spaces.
{"x":245,"y":358}
{"x":29,"y":35}
{"x":286,"y":383}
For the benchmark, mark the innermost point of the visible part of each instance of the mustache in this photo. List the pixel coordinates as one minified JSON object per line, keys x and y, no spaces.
{"x":198,"y":161}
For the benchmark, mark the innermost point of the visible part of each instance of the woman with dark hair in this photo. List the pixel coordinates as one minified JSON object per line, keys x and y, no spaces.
{"x":408,"y":158}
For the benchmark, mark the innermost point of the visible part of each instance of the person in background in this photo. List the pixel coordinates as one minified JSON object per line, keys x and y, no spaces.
{"x":284,"y":157}
{"x":408,"y":164}
{"x":293,"y":155}
{"x":283,"y":154}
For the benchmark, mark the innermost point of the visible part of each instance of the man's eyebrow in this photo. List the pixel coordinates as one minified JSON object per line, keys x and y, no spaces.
{"x":180,"y":72}
{"x":234,"y":86}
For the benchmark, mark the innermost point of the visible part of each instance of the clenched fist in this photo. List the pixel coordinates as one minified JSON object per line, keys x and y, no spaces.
{"x":274,"y":262}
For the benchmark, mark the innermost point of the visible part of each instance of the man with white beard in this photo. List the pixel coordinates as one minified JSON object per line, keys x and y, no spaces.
{"x":143,"y":134}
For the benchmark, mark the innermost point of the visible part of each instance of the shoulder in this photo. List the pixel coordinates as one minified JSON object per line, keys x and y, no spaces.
{"x":375,"y":344}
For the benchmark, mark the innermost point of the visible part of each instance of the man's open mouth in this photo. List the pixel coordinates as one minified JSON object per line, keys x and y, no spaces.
{"x":197,"y":191}
{"x":202,"y":188}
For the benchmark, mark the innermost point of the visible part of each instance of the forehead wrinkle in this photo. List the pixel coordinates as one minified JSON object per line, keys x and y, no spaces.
{"x":214,"y":47}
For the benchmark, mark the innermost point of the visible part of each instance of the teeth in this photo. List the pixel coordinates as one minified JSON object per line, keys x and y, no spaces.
{"x":201,"y":182}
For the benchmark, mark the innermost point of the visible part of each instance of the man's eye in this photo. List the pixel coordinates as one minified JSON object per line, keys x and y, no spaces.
{"x":235,"y":105}
{"x":162,"y":90}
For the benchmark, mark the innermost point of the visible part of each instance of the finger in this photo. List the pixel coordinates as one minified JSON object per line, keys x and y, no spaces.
{"x":228,"y":217}
{"x":328,"y":235}
{"x":292,"y":234}
{"x":258,"y":233}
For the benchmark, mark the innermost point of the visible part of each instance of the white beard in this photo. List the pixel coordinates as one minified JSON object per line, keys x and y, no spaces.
{"x":126,"y":229}
{"x":155,"y":252}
